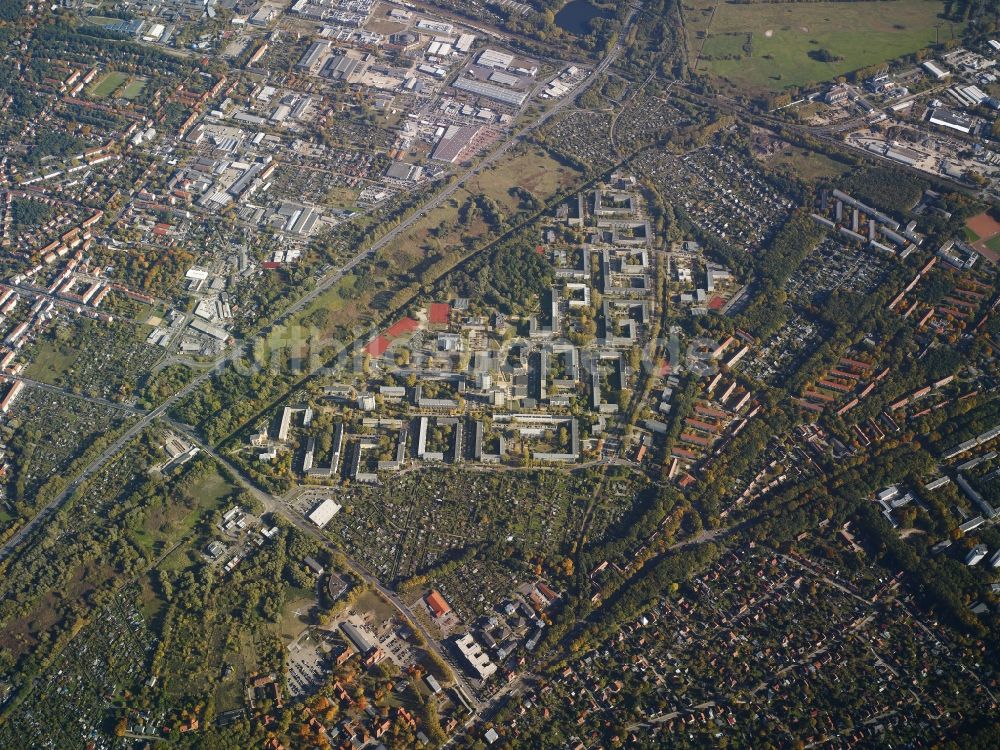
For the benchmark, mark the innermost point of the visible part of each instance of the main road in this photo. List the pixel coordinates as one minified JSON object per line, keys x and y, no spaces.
{"x":137,"y":427}
{"x":324,"y":283}
{"x":271,"y":504}
{"x":333,"y":277}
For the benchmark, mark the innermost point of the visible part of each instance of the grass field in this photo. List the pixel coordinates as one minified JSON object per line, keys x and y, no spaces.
{"x":440,"y":236}
{"x":332,"y":302}
{"x":718,"y":46}
{"x":970,"y":236}
{"x":534,"y":170}
{"x":133,"y":88}
{"x":786,"y":37}
{"x":437,"y":230}
{"x":108,"y":84}
{"x":369,"y":601}
{"x":994,"y":244}
{"x":6,"y":517}
{"x":808,"y":165}
{"x":296,"y":613}
{"x":168,"y":523}
{"x":342,"y":197}
{"x":52,"y":361}
{"x":103,"y":20}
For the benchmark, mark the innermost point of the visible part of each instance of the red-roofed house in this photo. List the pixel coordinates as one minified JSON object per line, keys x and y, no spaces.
{"x":401,"y":327}
{"x":439,"y":607}
{"x":377,"y":346}
{"x":439,"y":313}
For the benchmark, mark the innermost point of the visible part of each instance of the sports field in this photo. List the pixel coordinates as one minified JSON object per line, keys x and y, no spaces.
{"x":982,"y":231}
{"x":107,"y":85}
{"x":133,"y":88}
{"x":793,"y":44}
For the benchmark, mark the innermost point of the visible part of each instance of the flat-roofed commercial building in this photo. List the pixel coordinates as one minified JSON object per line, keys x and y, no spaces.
{"x":322,"y":513}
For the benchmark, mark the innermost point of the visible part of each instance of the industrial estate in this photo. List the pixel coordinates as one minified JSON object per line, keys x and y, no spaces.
{"x":543,"y":374}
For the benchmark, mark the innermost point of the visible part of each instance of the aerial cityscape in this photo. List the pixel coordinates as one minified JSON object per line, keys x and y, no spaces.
{"x":560,"y":374}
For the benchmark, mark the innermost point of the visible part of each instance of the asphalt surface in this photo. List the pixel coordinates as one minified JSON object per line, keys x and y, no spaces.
{"x":144,"y":421}
{"x":145,"y":418}
{"x":448,"y":190}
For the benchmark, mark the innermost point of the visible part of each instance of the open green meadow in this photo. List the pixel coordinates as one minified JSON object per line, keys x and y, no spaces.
{"x":807,"y":165}
{"x":133,"y":88}
{"x":107,"y":85}
{"x":789,"y":42}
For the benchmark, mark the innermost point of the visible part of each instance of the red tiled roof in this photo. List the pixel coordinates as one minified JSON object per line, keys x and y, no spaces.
{"x":547,"y":592}
{"x":439,"y":313}
{"x":406,"y":325}
{"x":377,"y":346}
{"x":437,"y":604}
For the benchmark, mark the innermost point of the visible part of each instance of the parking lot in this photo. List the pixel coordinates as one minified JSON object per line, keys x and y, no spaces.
{"x":307,"y":664}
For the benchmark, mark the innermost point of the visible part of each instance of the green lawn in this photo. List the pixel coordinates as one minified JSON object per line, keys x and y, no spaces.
{"x":133,"y":88}
{"x":103,"y":20}
{"x":212,"y":488}
{"x":729,"y":44}
{"x":970,"y":236}
{"x":532,"y":169}
{"x":295,"y":613}
{"x":6,"y":517}
{"x":167,"y":524}
{"x":808,"y":165}
{"x":331,"y":302}
{"x":342,"y":197}
{"x":52,"y":360}
{"x":107,"y":85}
{"x":784,"y":35}
{"x":994,"y":244}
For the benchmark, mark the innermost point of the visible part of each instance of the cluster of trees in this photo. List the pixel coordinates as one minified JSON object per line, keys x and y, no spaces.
{"x":683,"y":403}
{"x":939,"y":581}
{"x":150,"y":268}
{"x":516,"y":275}
{"x":207,"y":620}
{"x":824,"y":55}
{"x":655,"y":44}
{"x":26,"y":214}
{"x":64,"y":570}
{"x":888,"y":188}
{"x":56,"y":143}
{"x":32,"y":480}
{"x":490,"y":211}
{"x":162,"y":384}
{"x":10,"y":10}
{"x":257,"y":295}
{"x":789,"y":247}
{"x":229,"y":399}
{"x":638,"y":594}
{"x":963,"y":425}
